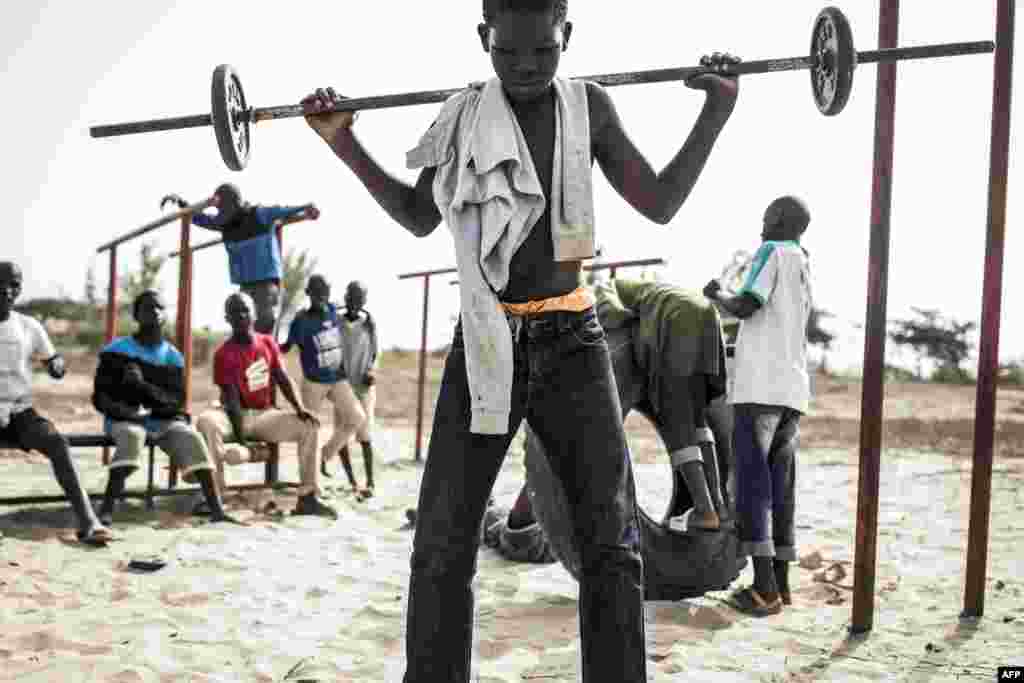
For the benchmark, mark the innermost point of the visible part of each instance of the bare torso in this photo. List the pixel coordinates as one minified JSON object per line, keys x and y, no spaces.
{"x":533,"y":273}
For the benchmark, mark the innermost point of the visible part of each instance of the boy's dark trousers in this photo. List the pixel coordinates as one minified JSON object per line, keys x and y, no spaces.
{"x":765,"y":439}
{"x":564,"y":386}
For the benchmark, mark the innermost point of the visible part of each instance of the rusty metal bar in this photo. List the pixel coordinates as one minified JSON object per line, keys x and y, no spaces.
{"x":111,"y":330}
{"x":873,"y":388}
{"x":163,"y":220}
{"x":759,"y":66}
{"x":184,"y":331}
{"x":427,"y":273}
{"x":219,"y":240}
{"x":423,"y":369}
{"x":991,"y":302}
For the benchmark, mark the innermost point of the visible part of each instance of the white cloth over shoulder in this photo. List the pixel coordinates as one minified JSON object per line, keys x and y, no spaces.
{"x":21,"y":338}
{"x":489,"y":194}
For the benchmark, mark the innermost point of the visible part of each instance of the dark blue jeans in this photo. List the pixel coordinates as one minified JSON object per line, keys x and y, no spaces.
{"x":765,"y":442}
{"x":564,"y":387}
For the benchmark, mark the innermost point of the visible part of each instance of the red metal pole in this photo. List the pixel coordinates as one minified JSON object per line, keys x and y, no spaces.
{"x":111,"y":330}
{"x":873,"y":387}
{"x":991,"y":301}
{"x":423,"y":369}
{"x":184,"y":331}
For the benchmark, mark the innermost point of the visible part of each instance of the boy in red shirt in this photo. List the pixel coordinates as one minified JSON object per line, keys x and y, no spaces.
{"x":246,"y":368}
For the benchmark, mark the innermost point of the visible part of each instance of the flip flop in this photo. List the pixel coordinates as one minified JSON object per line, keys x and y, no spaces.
{"x":681,"y":524}
{"x":749,"y":601}
{"x":97,"y":537}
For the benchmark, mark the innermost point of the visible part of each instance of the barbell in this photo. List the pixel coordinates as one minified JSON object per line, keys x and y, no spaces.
{"x":831,"y":61}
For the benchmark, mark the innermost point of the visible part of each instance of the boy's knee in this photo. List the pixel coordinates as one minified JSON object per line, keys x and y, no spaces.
{"x":445,"y":560}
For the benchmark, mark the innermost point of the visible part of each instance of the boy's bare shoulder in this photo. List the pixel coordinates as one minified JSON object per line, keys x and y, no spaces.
{"x":602,"y":109}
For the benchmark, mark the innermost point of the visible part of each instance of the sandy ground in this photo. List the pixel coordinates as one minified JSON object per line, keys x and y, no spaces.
{"x":249,"y":604}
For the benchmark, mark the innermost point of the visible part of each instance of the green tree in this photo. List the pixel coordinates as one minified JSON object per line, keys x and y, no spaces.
{"x":146,"y":277}
{"x":297,"y":269}
{"x":938,"y":338}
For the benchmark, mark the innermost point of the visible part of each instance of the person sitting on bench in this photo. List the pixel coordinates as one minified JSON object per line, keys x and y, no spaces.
{"x":247,"y":367}
{"x":21,"y":339}
{"x":140,"y":389}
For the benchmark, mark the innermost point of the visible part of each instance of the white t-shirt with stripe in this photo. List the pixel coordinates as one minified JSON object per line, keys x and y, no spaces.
{"x":771,"y":349}
{"x":21,"y":339}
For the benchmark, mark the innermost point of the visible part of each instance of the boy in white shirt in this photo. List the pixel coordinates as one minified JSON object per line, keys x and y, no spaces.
{"x":21,"y":339}
{"x":770,"y":391}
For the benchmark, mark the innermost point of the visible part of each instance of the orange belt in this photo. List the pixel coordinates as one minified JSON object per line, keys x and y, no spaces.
{"x":578,"y":300}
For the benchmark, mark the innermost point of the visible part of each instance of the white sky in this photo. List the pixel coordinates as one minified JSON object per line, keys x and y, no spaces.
{"x":69,"y":65}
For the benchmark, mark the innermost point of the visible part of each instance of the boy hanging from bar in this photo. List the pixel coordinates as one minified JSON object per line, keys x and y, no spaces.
{"x":770,"y":390}
{"x":507,"y":165}
{"x":254,"y":251}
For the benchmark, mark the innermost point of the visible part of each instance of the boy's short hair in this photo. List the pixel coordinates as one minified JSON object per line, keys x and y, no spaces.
{"x":145,"y":294}
{"x":493,"y":8}
{"x":240,"y":296}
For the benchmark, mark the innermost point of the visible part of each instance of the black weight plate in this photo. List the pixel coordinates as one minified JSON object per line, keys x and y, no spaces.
{"x":835,"y":61}
{"x":230,"y":117}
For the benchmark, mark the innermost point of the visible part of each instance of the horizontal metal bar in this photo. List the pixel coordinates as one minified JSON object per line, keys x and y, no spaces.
{"x":153,"y":125}
{"x":163,"y":220}
{"x":156,"y":493}
{"x":926,"y":52}
{"x":624,"y":264}
{"x":218,"y":240}
{"x":627,"y":78}
{"x":427,"y":273}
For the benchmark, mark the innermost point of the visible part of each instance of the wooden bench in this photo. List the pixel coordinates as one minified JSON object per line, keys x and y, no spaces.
{"x":271,"y":469}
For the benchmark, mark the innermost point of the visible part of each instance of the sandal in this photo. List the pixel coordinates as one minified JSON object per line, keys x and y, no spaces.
{"x":749,"y":601}
{"x":97,"y":536}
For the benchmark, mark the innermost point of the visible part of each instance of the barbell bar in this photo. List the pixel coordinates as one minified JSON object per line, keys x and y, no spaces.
{"x":832,"y":61}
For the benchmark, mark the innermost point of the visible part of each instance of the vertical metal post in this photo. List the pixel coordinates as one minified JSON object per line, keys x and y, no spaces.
{"x":991,"y":301}
{"x":871,"y":419}
{"x":111,"y":330}
{"x":423,"y":369}
{"x":184,"y":327}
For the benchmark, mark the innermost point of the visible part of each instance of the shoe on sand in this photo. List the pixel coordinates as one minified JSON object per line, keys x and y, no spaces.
{"x":749,"y":601}
{"x":309,"y":504}
{"x":684,"y":523}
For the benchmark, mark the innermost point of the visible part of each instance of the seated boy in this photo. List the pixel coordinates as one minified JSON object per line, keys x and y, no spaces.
{"x":507,"y":166}
{"x":140,"y":389}
{"x":22,"y":339}
{"x":247,"y":367}
{"x":770,"y":390}
{"x":254,"y":252}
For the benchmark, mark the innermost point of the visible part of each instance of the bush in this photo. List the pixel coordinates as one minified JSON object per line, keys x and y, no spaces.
{"x":1011,"y":374}
{"x":894,"y":373}
{"x":951,"y":374}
